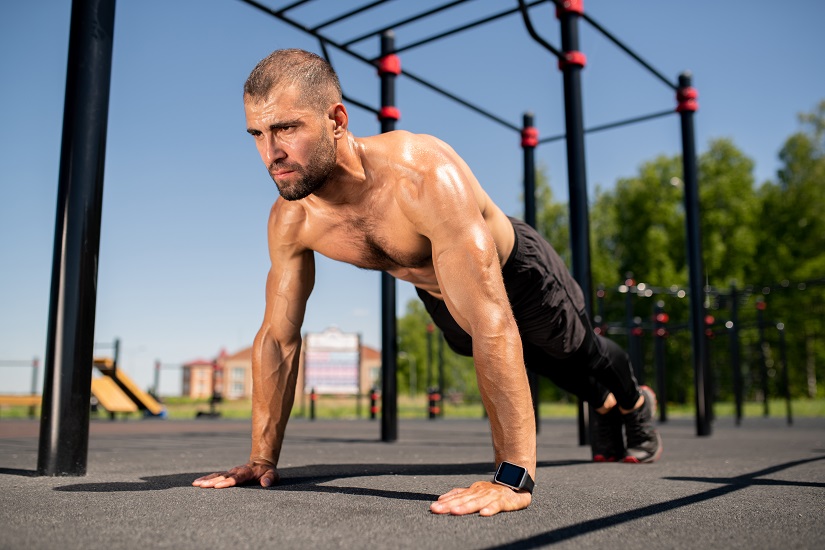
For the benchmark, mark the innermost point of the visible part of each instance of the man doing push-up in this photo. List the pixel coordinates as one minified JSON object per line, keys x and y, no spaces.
{"x":409,"y":205}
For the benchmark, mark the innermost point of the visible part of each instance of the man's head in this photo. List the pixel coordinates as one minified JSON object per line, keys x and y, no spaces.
{"x":315,"y":79}
{"x":293,"y":110}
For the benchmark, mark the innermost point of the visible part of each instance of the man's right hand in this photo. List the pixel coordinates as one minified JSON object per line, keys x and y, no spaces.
{"x":240,"y":475}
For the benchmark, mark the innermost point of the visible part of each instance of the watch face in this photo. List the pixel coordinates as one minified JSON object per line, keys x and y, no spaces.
{"x":510,"y":474}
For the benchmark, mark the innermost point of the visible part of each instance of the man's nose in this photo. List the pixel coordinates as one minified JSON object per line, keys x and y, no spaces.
{"x":273,"y":151}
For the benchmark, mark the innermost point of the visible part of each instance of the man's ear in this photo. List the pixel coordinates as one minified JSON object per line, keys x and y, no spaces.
{"x":339,"y":116}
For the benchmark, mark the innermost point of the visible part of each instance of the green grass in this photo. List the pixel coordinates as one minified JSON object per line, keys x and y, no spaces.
{"x":333,"y":407}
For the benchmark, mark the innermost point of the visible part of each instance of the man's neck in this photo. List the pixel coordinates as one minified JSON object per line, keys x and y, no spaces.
{"x":348,"y":182}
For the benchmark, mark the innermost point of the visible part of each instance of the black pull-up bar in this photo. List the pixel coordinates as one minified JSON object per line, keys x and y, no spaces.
{"x":343,"y":47}
{"x":348,"y":14}
{"x":403,"y":22}
{"x":462,"y":28}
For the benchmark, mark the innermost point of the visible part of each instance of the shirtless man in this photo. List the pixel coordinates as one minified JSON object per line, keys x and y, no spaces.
{"x":408,"y":205}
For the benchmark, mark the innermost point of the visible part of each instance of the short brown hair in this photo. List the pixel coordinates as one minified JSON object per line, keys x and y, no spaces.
{"x":315,"y":78}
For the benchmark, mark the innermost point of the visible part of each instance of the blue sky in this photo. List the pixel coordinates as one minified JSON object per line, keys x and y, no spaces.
{"x":183,"y":254}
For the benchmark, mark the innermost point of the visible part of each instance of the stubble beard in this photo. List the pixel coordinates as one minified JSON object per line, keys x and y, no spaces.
{"x":313,"y":176}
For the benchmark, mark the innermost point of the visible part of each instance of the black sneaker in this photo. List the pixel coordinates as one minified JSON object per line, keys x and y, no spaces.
{"x":607,"y":442}
{"x":643,"y":441}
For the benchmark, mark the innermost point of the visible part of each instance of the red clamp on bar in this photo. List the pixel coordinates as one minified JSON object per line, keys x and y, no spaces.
{"x":573,"y":58}
{"x":570,"y":6}
{"x":389,"y":64}
{"x":687,"y":99}
{"x":388,"y":111}
{"x":529,"y":137}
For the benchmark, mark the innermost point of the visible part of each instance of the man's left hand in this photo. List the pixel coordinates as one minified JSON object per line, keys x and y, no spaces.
{"x":485,"y":497}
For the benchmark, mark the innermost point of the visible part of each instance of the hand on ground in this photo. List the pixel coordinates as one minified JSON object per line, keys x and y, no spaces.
{"x":240,"y":475}
{"x":485,"y":497}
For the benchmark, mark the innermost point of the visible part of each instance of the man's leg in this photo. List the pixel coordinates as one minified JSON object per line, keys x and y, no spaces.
{"x":628,"y":405}
{"x":606,"y":439}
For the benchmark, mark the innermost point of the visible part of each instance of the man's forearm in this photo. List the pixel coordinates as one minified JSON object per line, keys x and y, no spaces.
{"x":274,"y":374}
{"x":505,"y":390}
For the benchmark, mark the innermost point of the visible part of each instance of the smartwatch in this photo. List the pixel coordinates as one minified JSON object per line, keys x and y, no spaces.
{"x":514,"y":477}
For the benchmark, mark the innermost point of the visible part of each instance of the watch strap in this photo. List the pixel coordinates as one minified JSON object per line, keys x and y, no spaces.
{"x":528,"y":483}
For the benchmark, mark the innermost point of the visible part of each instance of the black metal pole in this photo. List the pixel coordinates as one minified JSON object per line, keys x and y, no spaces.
{"x":577,"y":178}
{"x":115,"y":355}
{"x":735,"y":357}
{"x":389,"y":67}
{"x":35,"y":369}
{"x":571,"y":66}
{"x":631,"y":325}
{"x":763,"y":367}
{"x":687,"y":106}
{"x":430,"y":329}
{"x":441,"y":382}
{"x":156,"y":385}
{"x":599,"y":321}
{"x":529,"y":140}
{"x":785,"y":377}
{"x":64,"y":417}
{"x":660,"y":335}
{"x":709,"y":386}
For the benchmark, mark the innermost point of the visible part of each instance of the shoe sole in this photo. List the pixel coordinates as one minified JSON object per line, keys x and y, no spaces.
{"x":652,"y":458}
{"x":658,"y":453}
{"x":602,"y":458}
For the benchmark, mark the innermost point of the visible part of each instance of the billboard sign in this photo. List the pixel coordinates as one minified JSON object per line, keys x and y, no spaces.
{"x":332,"y":362}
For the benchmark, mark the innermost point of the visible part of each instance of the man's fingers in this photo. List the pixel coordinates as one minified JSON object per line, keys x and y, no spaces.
{"x":484,"y":498}
{"x":452,"y":493}
{"x":216,"y":481}
{"x":208,"y":479}
{"x":265,"y":474}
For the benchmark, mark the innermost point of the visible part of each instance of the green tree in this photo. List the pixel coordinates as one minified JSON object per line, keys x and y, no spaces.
{"x":459,"y":371}
{"x":649,"y":221}
{"x":792,"y":240}
{"x":552,"y":218}
{"x":791,"y":247}
{"x":604,"y":260}
{"x":729,"y":213}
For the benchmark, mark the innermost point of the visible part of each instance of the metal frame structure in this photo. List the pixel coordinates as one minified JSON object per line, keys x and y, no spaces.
{"x":71,"y":322}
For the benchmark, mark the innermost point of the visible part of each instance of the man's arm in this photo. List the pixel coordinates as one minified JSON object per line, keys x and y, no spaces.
{"x":468,"y":269}
{"x":275,"y":355}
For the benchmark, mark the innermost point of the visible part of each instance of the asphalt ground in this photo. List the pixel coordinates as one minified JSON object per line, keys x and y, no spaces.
{"x":759,"y":485}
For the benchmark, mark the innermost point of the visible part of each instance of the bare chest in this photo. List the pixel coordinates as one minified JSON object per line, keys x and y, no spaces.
{"x":379,"y":245}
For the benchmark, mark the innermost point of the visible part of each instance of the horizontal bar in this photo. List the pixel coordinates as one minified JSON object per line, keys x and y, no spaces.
{"x":457,"y":99}
{"x":346,"y":98}
{"x":364,"y":106}
{"x":418,"y":79}
{"x":403,"y":22}
{"x":349,"y":14}
{"x":293,"y":5}
{"x":465,"y":27}
{"x":612,"y":125}
{"x":627,"y":50}
{"x":532,"y":31}
{"x":285,"y":19}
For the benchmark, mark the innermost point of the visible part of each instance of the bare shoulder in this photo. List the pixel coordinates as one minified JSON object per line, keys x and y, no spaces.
{"x":429,"y":172}
{"x":407,"y":148}
{"x":285,"y":228}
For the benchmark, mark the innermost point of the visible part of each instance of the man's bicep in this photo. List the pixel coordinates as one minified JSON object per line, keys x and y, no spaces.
{"x":288,"y":287}
{"x":469,"y":273}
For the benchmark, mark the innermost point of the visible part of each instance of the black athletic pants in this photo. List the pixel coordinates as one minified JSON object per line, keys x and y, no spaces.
{"x":557,"y":338}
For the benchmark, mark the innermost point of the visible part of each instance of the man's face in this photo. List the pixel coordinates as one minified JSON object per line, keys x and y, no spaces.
{"x":294,"y":141}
